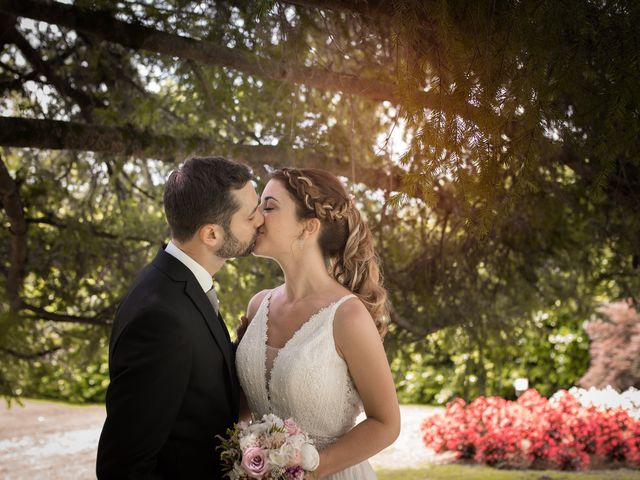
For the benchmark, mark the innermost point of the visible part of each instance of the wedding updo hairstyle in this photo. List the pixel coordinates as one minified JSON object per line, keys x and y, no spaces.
{"x":345,"y":239}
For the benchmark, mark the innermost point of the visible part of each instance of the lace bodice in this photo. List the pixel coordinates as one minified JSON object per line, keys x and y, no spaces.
{"x":309,"y":381}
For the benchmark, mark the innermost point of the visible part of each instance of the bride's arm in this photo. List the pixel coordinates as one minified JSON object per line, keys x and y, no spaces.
{"x":358,"y":342}
{"x":252,"y":308}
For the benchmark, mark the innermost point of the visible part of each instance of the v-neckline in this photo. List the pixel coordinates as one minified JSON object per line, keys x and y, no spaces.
{"x":267,"y":307}
{"x":302,"y":325}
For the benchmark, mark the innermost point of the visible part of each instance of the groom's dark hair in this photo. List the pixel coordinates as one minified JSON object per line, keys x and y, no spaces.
{"x":199,"y":191}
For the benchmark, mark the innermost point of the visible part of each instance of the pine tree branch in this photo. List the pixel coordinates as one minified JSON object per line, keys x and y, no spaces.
{"x":204,"y":86}
{"x":84,"y":101}
{"x":379,"y":12}
{"x":102,"y":25}
{"x":30,"y":355}
{"x":53,"y":222}
{"x":58,"y":135}
{"x":104,"y":317}
{"x":369,"y":9}
{"x":408,"y":325}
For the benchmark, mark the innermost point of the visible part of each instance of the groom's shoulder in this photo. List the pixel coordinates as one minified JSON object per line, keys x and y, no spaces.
{"x":153,"y":302}
{"x":150,"y":278}
{"x":153,"y":289}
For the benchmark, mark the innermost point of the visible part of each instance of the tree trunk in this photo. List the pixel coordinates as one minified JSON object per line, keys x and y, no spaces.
{"x":12,"y":205}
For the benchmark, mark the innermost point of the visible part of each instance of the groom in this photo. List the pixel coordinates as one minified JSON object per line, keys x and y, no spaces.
{"x":171,"y":362}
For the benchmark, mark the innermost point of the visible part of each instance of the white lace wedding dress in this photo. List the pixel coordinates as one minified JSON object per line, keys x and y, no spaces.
{"x":306,"y":380}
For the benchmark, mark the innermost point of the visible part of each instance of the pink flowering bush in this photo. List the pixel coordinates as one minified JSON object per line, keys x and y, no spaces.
{"x":533,"y":432}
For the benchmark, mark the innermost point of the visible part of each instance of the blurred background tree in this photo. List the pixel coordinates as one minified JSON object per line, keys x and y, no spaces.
{"x":493,"y":147}
{"x":615,"y":342}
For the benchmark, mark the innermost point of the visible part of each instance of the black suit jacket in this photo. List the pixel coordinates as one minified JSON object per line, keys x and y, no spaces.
{"x":173,"y":382}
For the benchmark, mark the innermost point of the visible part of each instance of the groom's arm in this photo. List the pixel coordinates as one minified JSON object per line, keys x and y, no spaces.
{"x":150,"y":366}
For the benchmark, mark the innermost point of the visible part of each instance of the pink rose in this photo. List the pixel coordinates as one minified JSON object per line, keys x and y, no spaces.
{"x":254,"y":462}
{"x":291,"y":427}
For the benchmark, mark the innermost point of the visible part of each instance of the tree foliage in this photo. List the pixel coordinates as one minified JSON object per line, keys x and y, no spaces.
{"x":515,"y":198}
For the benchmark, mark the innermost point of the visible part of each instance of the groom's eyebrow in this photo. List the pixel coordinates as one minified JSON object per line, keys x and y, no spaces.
{"x":256,"y":208}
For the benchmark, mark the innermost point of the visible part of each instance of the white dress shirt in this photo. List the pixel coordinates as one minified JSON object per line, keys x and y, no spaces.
{"x":204,"y":278}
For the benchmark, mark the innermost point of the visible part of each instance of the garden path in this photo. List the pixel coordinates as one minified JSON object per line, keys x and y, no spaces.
{"x":55,"y":441}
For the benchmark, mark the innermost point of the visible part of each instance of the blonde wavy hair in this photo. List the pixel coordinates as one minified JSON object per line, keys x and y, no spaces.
{"x":345,"y":238}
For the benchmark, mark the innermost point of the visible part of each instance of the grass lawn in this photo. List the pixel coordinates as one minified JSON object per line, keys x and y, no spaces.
{"x":471,"y":472}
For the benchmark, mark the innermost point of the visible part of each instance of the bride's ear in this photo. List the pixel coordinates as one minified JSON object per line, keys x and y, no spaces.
{"x":311,"y":227}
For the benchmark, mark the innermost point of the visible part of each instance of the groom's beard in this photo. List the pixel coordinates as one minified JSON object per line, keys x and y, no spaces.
{"x":232,"y":247}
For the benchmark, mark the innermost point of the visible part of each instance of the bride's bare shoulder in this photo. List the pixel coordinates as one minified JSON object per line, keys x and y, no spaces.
{"x":353,"y":323}
{"x":255,"y":302}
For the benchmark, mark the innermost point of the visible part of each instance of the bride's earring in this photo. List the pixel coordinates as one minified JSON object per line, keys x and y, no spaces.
{"x":300,"y":241}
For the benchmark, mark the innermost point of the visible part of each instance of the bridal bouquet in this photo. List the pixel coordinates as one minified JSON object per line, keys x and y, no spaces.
{"x":269,"y":449}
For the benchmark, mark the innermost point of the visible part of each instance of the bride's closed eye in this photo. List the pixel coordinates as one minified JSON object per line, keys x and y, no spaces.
{"x":268,"y":203}
{"x":267,"y":206}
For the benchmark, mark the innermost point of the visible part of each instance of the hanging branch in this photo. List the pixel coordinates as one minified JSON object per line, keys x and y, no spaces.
{"x":104,"y":317}
{"x":30,"y":355}
{"x":408,"y":325}
{"x":58,"y":135}
{"x":49,"y":219}
{"x":84,"y":101}
{"x":103,"y":25}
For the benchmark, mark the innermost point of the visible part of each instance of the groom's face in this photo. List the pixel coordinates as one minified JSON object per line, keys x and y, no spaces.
{"x":240,"y":236}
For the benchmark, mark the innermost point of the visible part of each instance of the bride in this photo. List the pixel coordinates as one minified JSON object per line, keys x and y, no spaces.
{"x":313,"y":348}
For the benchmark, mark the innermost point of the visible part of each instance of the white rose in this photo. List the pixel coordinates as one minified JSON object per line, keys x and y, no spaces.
{"x":279,"y":457}
{"x":296,"y":441}
{"x":250,"y":440}
{"x":310,"y":457}
{"x":257,"y":428}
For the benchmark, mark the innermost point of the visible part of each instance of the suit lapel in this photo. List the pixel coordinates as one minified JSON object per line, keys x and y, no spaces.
{"x":217,"y":329}
{"x":179,"y":272}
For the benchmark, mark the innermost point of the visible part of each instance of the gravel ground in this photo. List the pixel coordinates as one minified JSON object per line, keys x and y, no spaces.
{"x":55,"y":441}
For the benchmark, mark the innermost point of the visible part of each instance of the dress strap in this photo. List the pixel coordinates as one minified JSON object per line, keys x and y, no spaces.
{"x":332,"y":313}
{"x":342,"y":300}
{"x":266,"y":299}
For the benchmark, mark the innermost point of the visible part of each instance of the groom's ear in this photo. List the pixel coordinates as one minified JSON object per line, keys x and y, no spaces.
{"x":210,"y":234}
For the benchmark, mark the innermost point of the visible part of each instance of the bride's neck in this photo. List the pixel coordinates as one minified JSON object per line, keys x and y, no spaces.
{"x":305,"y":276}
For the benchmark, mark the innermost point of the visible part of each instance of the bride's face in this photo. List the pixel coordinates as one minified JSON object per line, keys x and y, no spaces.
{"x":281,"y":229}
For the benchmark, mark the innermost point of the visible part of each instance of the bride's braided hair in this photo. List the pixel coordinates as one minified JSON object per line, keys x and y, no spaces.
{"x":345,"y":238}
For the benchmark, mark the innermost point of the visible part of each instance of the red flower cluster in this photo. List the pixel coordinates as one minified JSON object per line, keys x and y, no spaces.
{"x":535,"y":433}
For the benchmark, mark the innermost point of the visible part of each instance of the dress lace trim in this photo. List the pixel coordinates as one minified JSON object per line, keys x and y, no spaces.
{"x":308,"y":380}
{"x":268,"y":372}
